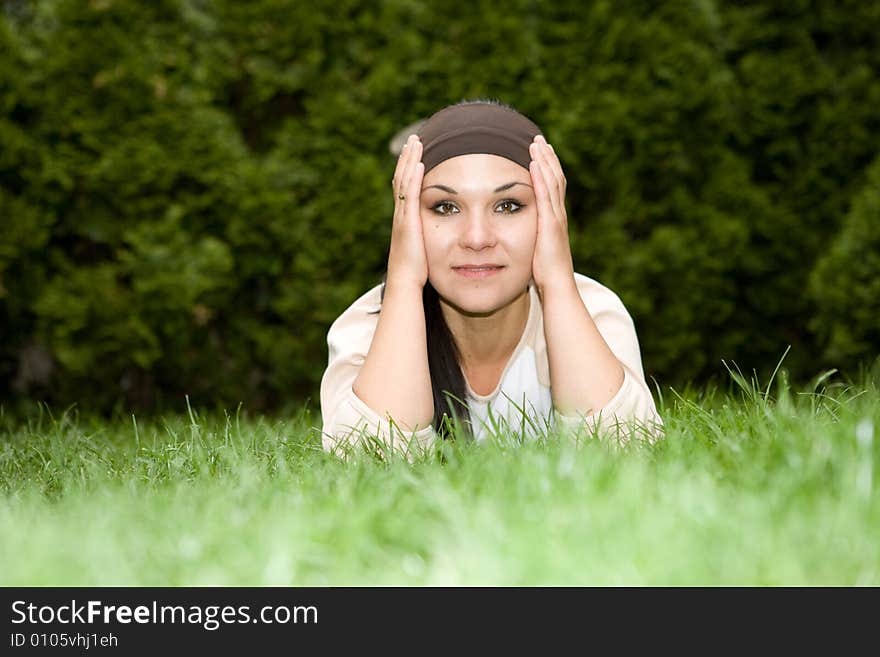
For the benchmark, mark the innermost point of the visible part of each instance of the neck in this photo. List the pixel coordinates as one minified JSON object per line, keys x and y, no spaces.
{"x":489,"y":339}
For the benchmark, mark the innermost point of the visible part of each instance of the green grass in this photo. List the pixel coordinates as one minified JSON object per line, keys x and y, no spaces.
{"x":748,"y":487}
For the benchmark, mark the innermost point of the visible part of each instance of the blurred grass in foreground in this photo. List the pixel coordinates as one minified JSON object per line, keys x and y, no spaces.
{"x":748,"y":487}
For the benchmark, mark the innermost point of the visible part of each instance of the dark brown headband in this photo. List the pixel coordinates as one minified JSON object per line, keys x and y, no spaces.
{"x":476,"y":128}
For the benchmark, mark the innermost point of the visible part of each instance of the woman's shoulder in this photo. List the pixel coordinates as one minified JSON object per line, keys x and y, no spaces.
{"x":359,"y":319}
{"x":366,"y":302}
{"x":597,"y":297}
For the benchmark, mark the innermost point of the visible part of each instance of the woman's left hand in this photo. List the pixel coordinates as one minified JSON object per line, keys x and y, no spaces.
{"x":552,"y":263}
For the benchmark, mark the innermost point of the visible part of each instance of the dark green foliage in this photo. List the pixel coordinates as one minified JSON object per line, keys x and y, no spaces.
{"x":846,"y":281}
{"x":192,"y":190}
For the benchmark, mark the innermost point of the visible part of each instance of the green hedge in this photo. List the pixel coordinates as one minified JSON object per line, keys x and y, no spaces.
{"x":846,"y":280}
{"x":192,"y":190}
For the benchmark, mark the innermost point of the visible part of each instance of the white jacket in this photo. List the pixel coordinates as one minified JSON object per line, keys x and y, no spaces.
{"x":525,"y":381}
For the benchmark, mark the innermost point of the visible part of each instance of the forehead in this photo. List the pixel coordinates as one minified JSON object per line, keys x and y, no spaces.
{"x":476,"y":170}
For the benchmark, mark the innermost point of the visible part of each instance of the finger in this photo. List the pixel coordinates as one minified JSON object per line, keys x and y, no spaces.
{"x":555,"y":166}
{"x":547,"y":183}
{"x":413,"y":195}
{"x":553,"y":181}
{"x":553,"y":172}
{"x":414,"y":190}
{"x":400,"y":180}
{"x":552,"y":161}
{"x":412,"y":157}
{"x":397,"y":180}
{"x":401,"y":160}
{"x":545,"y":208}
{"x":404,"y":206}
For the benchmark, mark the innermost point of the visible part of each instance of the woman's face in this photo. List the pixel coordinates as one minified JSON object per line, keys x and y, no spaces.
{"x":470,"y":223}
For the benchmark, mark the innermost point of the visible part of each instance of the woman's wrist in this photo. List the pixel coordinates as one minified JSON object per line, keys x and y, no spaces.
{"x":403,"y":285}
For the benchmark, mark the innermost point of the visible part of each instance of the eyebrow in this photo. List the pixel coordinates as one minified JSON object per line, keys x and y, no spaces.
{"x":494,"y":191}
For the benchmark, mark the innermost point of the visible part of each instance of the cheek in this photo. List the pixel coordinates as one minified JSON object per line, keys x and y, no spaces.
{"x":527,"y":238}
{"x":434,"y":237}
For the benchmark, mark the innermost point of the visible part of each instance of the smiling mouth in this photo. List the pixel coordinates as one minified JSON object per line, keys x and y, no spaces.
{"x":477,"y":272}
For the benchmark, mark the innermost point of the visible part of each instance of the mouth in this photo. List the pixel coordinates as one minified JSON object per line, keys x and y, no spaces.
{"x":478,"y":272}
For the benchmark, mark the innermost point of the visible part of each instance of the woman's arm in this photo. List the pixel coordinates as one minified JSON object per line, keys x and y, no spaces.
{"x":584,"y":372}
{"x":346,"y":416}
{"x":595,"y":363}
{"x":395,"y":379}
{"x":595,"y":367}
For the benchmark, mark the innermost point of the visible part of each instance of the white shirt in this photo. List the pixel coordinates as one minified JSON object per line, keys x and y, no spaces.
{"x":524,"y":383}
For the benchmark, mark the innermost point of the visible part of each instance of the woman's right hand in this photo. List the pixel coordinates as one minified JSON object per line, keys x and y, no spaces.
{"x":407,"y":261}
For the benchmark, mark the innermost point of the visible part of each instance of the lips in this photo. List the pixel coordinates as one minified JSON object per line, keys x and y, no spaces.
{"x":478,"y":271}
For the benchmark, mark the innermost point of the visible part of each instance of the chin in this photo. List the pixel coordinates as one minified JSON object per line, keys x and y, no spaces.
{"x":470,"y":299}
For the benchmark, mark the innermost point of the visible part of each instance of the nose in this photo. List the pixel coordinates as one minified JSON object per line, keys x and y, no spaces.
{"x":478,"y":231}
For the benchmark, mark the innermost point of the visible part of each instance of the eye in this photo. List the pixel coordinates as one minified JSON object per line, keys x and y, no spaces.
{"x":442,"y":204}
{"x":505,"y":202}
{"x":510,"y":200}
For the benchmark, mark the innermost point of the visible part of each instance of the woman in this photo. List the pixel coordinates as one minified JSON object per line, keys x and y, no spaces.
{"x":481,"y":319}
